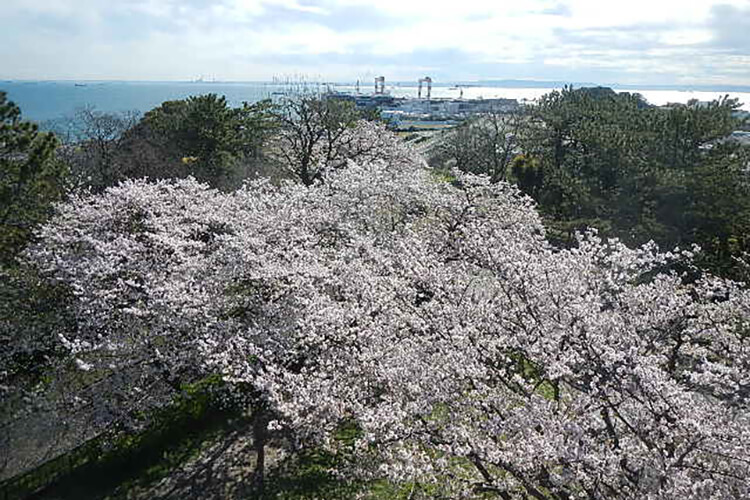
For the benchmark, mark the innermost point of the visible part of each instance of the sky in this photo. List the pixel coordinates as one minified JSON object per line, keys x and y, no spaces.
{"x":668,"y":42}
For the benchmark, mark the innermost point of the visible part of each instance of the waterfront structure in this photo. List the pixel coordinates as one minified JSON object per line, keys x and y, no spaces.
{"x":428,"y":81}
{"x":380,"y":85}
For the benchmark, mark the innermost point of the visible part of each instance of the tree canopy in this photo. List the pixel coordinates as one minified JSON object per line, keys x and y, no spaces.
{"x":201,"y":136}
{"x":30,"y":178}
{"x":316,"y":135}
{"x":470,"y":353}
{"x":592,"y":157}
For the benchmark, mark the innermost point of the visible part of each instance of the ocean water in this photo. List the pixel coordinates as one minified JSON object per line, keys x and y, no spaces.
{"x":50,"y":100}
{"x":41,"y":101}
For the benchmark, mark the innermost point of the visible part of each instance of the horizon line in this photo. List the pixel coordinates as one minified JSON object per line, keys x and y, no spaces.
{"x":535,"y":82}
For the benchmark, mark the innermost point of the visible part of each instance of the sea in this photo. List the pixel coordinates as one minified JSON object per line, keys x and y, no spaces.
{"x":47,"y":101}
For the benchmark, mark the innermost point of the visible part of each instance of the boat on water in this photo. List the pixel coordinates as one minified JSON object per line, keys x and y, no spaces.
{"x":80,"y":84}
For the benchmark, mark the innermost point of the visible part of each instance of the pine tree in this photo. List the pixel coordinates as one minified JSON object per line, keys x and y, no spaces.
{"x":30,"y":178}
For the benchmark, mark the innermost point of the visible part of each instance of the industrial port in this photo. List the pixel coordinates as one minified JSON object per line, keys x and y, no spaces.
{"x":423,"y":112}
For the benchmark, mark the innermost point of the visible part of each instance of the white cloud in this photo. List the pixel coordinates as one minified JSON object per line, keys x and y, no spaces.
{"x":251,"y":39}
{"x":686,"y":37}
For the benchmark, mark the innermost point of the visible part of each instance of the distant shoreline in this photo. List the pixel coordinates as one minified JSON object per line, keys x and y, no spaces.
{"x":49,"y":100}
{"x":511,"y":83}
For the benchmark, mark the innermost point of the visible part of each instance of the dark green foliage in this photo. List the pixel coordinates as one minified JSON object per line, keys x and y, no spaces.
{"x":638,"y":172}
{"x":717,"y":207}
{"x":30,"y":179}
{"x":32,"y":313}
{"x":527,"y":174}
{"x":200,"y":136}
{"x":321,"y":473}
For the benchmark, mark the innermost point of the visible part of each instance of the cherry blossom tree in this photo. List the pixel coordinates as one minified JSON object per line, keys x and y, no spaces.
{"x":474,"y":355}
{"x":469,"y":352}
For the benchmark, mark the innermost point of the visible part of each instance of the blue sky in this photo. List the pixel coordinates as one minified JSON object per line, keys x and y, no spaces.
{"x":633,"y":42}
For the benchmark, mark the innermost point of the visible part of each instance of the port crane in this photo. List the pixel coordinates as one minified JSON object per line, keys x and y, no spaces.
{"x":428,"y":81}
{"x":380,"y":85}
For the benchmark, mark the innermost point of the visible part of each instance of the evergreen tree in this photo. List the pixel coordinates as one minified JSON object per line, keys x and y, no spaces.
{"x":30,"y":178}
{"x":640,"y":172}
{"x":201,"y":136}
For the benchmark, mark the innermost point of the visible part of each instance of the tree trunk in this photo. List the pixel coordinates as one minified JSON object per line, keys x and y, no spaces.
{"x":260,"y":436}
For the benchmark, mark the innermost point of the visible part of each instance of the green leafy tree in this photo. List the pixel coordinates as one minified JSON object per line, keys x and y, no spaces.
{"x":583,"y":139}
{"x":31,"y":179}
{"x":527,"y":174}
{"x":717,"y":207}
{"x":640,"y":172}
{"x":200,"y":136}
